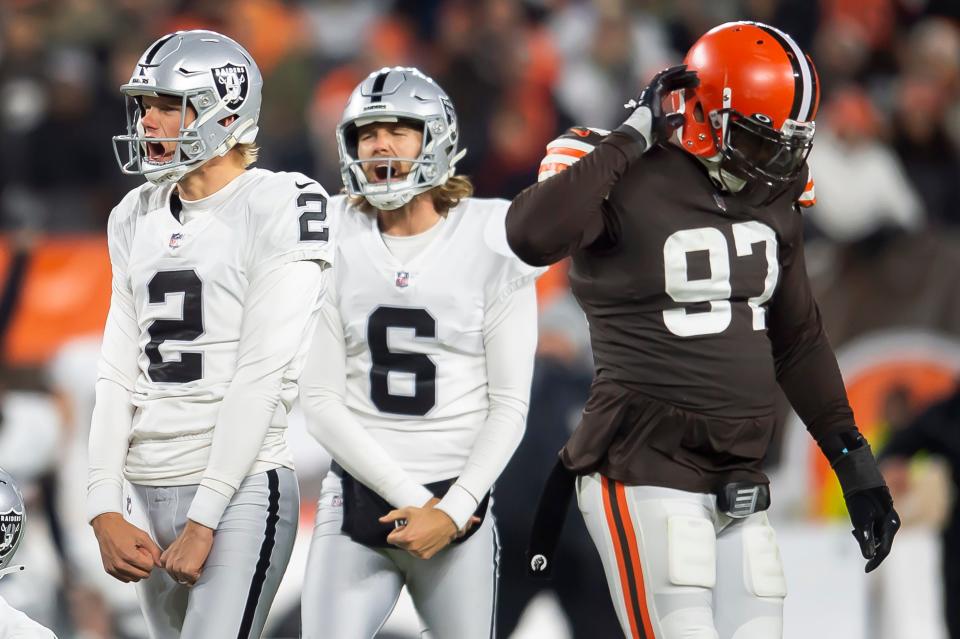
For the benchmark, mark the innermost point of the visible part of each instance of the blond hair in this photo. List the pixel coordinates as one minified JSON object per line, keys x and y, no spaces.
{"x":445,"y":197}
{"x":249,"y":152}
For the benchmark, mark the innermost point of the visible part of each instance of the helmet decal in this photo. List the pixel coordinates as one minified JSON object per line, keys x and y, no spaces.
{"x":231,"y":83}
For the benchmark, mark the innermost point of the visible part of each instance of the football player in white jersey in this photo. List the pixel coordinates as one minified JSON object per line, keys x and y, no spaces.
{"x":13,"y":623}
{"x":218,"y":273}
{"x":419,"y":376}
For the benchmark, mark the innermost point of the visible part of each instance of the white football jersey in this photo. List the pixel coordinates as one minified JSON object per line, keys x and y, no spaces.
{"x":413,"y":331}
{"x":186,"y":285}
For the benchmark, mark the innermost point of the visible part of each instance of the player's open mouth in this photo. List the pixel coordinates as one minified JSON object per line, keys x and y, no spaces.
{"x":386,"y":173}
{"x":156,"y":153}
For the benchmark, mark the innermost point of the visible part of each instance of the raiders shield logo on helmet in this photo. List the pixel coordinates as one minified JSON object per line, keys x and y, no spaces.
{"x":231,"y":83}
{"x":11,"y":525}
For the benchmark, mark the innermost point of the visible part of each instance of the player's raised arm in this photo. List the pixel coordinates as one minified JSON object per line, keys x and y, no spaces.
{"x":552,"y":219}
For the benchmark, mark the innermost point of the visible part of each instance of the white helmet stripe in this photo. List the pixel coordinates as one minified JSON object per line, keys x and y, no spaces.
{"x":799,"y":62}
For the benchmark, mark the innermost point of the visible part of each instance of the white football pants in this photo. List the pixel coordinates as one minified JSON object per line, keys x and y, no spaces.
{"x":251,"y":548}
{"x":350,"y":589}
{"x":678,"y":569}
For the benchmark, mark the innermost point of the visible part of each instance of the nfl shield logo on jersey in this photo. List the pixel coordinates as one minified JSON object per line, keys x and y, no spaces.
{"x":175,"y":240}
{"x":231,"y":82}
{"x":403,"y":279}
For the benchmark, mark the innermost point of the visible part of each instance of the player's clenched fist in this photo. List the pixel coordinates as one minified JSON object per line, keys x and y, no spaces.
{"x":185,"y":557}
{"x":128,"y":553}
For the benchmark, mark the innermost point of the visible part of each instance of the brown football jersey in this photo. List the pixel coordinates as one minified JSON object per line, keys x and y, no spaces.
{"x":698,"y":303}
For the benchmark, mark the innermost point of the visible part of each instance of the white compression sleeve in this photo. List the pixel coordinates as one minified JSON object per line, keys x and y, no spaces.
{"x":113,"y":410}
{"x":510,"y":340}
{"x":322,"y":390}
{"x":280,"y":312}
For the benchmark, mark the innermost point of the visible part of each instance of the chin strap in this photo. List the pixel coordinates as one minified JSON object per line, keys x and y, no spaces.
{"x":11,"y":569}
{"x":722,"y":178}
{"x":453,"y":164}
{"x":236,"y":137}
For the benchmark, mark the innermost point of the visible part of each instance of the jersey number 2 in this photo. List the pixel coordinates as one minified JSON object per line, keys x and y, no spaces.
{"x":386,"y":361}
{"x":715,"y":289}
{"x":185,"y":329}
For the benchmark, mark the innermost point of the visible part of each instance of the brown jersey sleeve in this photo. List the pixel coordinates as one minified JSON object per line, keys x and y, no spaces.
{"x":554,"y":218}
{"x":806,"y":366}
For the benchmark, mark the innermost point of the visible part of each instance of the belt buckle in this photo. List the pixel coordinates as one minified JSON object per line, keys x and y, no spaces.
{"x":742,"y":499}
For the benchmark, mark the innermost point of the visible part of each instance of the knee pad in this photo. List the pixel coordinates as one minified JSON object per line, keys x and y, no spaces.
{"x":691,"y":551}
{"x":762,"y":566}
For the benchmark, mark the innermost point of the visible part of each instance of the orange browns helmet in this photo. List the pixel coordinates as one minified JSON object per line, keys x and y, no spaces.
{"x":755,"y":105}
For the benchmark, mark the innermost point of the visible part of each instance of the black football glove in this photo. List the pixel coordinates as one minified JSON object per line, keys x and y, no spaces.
{"x":875,"y":522}
{"x":648,"y":124}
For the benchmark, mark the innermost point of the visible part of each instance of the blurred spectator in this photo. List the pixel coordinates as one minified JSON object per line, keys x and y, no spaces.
{"x":608,"y":55}
{"x":936,"y":431}
{"x":860,"y":185}
{"x":926,"y":122}
{"x":387,"y":41}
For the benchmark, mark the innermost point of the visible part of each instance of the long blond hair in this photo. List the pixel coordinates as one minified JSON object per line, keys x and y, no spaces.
{"x":445,"y":197}
{"x":249,"y":152}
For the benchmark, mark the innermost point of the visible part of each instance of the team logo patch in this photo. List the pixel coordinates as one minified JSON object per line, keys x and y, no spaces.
{"x":538,"y":563}
{"x":403,"y":279}
{"x":231,"y":83}
{"x":175,"y":240}
{"x":11,"y":525}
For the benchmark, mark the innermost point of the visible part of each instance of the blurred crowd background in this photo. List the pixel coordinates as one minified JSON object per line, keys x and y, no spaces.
{"x":884,"y":256}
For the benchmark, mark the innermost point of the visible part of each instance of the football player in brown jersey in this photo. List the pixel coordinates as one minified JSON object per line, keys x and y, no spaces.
{"x":687,"y":256}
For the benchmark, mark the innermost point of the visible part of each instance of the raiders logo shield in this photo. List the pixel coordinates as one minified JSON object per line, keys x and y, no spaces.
{"x":231,"y":83}
{"x":11,"y":526}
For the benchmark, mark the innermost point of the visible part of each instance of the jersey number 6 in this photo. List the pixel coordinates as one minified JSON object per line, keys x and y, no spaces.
{"x":385,"y":361}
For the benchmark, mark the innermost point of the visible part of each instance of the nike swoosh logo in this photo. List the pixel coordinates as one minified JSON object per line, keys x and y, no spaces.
{"x":304,"y":185}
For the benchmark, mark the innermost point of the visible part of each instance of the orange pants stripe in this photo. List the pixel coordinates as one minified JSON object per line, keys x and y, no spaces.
{"x":624,"y":540}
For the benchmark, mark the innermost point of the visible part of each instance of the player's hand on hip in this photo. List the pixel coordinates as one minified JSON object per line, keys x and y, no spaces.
{"x":875,"y":522}
{"x":647,"y":123}
{"x":128,"y":553}
{"x":185,"y":557}
{"x":423,"y":532}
